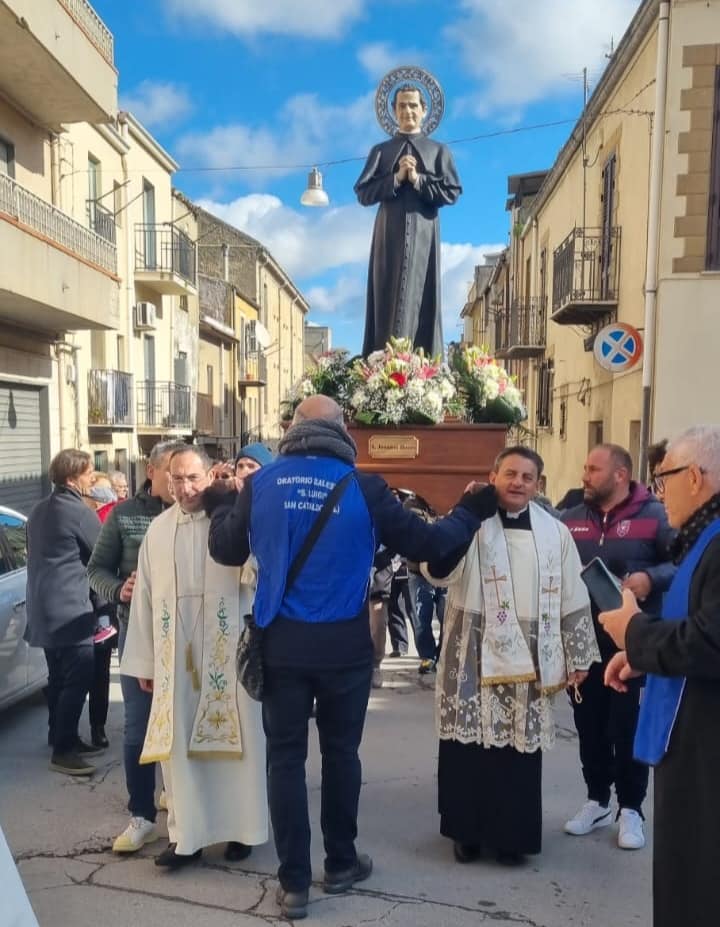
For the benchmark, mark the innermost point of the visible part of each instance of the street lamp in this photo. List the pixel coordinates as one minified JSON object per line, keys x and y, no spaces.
{"x":315,"y":195}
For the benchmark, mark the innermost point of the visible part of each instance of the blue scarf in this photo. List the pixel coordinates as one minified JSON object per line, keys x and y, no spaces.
{"x":663,"y":694}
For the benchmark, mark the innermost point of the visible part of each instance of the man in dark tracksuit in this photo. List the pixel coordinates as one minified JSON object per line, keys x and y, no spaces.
{"x":316,"y":640}
{"x":624,"y":525}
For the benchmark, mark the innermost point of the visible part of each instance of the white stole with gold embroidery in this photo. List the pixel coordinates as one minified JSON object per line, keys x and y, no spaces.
{"x":216,"y":727}
{"x":505,"y":655}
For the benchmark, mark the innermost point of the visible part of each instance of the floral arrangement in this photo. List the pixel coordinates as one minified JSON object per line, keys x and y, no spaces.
{"x":400,"y":385}
{"x":331,"y":376}
{"x":488,"y":390}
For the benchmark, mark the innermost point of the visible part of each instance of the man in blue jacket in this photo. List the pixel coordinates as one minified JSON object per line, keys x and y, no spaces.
{"x":316,"y":639}
{"x":623,"y":524}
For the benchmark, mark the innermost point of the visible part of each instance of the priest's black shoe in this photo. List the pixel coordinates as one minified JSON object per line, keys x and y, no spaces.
{"x":466,"y":852}
{"x":235,"y":851}
{"x":97,"y":736}
{"x":510,"y":858}
{"x":169,"y":859}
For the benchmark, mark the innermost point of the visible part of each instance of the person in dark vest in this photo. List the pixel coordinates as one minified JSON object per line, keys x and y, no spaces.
{"x":679,"y":647}
{"x":316,"y":637}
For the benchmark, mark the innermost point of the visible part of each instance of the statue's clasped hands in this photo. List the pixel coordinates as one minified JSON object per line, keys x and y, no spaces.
{"x":407,"y":169}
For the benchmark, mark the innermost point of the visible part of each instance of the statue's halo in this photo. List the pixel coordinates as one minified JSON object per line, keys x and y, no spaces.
{"x":426,"y":84}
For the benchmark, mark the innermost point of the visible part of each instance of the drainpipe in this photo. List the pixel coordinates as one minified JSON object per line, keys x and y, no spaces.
{"x":653,"y":243}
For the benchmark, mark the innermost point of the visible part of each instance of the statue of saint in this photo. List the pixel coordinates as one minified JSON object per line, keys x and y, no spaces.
{"x":411,"y":177}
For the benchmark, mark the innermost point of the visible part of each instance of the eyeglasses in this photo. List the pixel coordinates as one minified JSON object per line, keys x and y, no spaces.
{"x":659,"y":478}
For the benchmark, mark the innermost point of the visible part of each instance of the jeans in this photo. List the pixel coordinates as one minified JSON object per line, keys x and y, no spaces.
{"x":140,"y":780}
{"x":341,"y":696}
{"x":70,"y":675}
{"x":606,"y":722}
{"x":428,"y":601}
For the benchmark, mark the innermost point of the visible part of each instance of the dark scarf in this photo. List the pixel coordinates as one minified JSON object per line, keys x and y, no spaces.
{"x":694,"y":527}
{"x":319,"y":437}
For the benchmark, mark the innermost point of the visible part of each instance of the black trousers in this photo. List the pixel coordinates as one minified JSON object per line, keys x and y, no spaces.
{"x":606,"y":722}
{"x":99,"y":701}
{"x":341,"y":696}
{"x":70,"y":675}
{"x":401,"y":612}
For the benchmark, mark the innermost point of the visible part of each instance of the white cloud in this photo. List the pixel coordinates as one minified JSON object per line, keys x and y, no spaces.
{"x":458,"y":262}
{"x":317,"y":19}
{"x":157,"y":103}
{"x":380,"y":57}
{"x":300,"y":133}
{"x":306,"y":243}
{"x":523,"y":52}
{"x":348,"y":289}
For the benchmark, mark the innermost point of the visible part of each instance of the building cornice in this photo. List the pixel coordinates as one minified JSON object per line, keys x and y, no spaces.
{"x":152,"y":146}
{"x":113,"y":138}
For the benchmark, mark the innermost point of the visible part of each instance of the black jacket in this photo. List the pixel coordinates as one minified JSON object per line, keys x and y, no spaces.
{"x":633,"y":537}
{"x":61,"y":532}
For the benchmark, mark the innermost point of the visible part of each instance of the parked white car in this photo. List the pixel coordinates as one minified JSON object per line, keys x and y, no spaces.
{"x":22,"y":668}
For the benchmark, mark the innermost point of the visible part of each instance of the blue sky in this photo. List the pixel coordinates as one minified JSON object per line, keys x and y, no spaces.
{"x":284,"y":84}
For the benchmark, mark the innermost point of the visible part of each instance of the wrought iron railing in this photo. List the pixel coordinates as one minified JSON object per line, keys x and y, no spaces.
{"x":93,"y":27}
{"x":163,"y":404}
{"x":166,"y":250}
{"x":40,"y":216}
{"x":586,"y":267}
{"x":102,"y":221}
{"x":110,"y":398}
{"x":522,"y":325}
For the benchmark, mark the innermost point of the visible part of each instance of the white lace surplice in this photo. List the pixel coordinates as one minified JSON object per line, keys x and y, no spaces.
{"x":517,"y":715}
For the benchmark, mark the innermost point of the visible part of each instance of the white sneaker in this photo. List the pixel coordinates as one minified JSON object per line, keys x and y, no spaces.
{"x":591,"y":816}
{"x":136,"y":835}
{"x":631,"y":835}
{"x":377,"y":679}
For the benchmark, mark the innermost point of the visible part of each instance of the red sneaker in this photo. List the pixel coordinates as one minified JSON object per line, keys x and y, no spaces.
{"x":104,"y":634}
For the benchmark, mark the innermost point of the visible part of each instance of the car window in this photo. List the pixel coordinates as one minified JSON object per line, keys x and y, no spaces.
{"x":13,"y":531}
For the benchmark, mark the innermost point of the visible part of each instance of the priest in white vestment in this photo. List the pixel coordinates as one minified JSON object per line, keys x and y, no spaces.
{"x":185,"y":621}
{"x":517,"y":630}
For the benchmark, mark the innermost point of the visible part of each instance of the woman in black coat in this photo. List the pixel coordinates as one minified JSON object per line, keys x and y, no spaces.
{"x":61,"y":618}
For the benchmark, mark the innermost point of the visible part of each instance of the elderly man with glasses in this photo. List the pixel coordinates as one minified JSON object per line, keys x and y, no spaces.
{"x":679,"y":647}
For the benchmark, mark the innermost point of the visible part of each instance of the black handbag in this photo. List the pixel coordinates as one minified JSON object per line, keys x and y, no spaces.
{"x":249,"y":651}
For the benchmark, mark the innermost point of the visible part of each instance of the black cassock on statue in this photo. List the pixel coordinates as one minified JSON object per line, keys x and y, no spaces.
{"x":403,"y":292}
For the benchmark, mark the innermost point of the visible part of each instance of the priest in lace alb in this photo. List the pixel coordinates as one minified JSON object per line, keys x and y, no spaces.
{"x":182,"y":636}
{"x":517,"y":630}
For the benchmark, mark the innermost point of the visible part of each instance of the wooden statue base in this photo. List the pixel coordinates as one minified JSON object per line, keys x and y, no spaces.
{"x":434,"y":461}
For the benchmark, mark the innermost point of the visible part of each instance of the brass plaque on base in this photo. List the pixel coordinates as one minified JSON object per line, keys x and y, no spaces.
{"x":396,"y":446}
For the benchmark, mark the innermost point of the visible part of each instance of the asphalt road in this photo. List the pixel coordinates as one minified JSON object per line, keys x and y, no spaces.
{"x":60,"y":830}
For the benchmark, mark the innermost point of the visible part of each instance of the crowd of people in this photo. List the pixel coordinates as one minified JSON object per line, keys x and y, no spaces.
{"x":318,"y":561}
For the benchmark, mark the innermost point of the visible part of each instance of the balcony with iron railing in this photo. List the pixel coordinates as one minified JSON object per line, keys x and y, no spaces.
{"x":252,"y":370}
{"x":102,"y":221}
{"x":586,"y":275}
{"x":165,"y":259}
{"x":61,"y":274}
{"x":110,"y":399}
{"x":520,"y":330}
{"x":163,"y":405}
{"x":56,"y":62}
{"x":53,"y":224}
{"x":93,"y":27}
